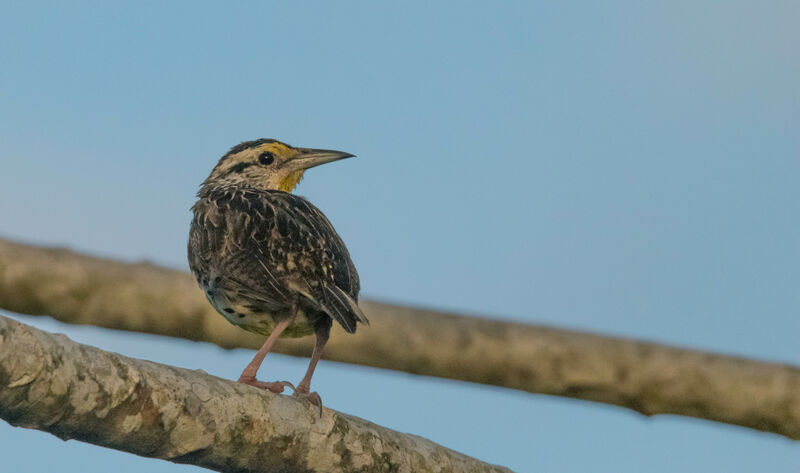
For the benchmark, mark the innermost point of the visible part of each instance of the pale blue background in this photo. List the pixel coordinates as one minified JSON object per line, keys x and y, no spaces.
{"x":630,"y":168}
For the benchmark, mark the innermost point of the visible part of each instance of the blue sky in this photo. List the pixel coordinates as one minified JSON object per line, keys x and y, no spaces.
{"x":629,"y":168}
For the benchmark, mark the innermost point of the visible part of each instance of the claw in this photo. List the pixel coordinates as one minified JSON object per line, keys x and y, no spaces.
{"x":311,"y":397}
{"x":277,"y":386}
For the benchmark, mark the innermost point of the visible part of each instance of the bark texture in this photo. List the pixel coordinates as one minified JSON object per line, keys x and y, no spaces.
{"x":74,"y":391}
{"x":646,"y":377}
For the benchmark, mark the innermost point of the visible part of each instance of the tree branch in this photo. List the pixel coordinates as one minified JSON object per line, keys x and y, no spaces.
{"x":74,"y":391}
{"x":646,"y":377}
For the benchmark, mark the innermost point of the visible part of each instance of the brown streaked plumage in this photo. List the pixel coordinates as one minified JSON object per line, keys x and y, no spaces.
{"x":269,"y":261}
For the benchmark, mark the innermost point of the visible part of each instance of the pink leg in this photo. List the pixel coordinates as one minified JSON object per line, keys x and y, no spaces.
{"x":249,"y":374}
{"x":304,"y":388}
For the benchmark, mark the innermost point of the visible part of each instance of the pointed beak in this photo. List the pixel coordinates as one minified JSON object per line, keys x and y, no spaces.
{"x":308,"y":158}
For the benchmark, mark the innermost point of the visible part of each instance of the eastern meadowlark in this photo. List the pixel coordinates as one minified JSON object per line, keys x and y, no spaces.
{"x":269,"y":261}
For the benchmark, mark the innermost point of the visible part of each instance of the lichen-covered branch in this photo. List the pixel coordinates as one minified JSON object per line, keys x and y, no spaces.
{"x":74,"y":391}
{"x":647,"y":377}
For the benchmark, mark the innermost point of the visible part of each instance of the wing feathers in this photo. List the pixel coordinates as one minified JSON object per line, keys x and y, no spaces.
{"x":273,"y":246}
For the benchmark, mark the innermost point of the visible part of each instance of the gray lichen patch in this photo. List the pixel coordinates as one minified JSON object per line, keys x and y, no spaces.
{"x":131,"y":423}
{"x":187,"y":435}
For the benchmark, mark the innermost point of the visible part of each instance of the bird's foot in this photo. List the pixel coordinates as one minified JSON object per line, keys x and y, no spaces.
{"x":277,"y":386}
{"x":302,"y":392}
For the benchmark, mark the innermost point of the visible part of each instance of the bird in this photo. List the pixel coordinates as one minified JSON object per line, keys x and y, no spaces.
{"x":269,"y":261}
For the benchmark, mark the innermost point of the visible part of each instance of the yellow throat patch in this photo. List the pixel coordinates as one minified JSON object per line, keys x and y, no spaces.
{"x":291,"y":181}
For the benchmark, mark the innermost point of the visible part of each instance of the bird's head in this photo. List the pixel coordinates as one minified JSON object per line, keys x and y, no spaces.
{"x":268,"y":164}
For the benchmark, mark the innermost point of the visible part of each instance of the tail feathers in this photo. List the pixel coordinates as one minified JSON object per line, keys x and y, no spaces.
{"x":337,"y":304}
{"x":343,"y":309}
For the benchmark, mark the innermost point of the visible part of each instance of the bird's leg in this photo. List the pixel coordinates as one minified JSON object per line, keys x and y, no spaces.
{"x":249,"y":374}
{"x":303,"y":389}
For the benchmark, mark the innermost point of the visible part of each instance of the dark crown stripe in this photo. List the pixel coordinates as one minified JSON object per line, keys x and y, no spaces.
{"x":251,"y":144}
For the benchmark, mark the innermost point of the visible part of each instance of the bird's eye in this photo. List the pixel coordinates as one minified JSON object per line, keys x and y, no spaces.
{"x":266,"y":158}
